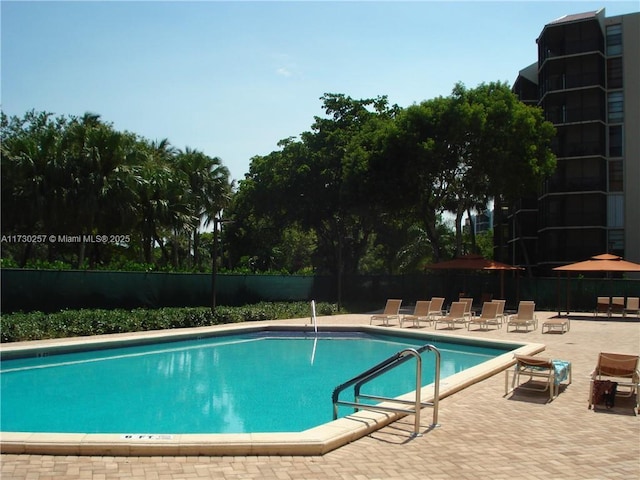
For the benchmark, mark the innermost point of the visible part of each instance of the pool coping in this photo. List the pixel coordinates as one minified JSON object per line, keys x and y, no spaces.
{"x":314,"y":441}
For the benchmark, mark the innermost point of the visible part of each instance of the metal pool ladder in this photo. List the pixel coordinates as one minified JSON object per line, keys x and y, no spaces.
{"x":393,"y":361}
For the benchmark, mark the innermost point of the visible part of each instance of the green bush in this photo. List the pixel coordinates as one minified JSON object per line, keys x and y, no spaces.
{"x":16,"y":327}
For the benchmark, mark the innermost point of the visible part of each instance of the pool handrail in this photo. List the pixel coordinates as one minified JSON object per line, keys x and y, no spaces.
{"x":384,"y":366}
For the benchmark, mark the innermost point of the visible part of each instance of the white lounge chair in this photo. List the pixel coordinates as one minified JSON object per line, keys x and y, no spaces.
{"x":633,"y":306}
{"x":391,"y":312}
{"x":618,"y":368}
{"x":487,"y":317}
{"x":525,"y":317}
{"x":543,"y":374}
{"x":420,"y":314}
{"x":454,"y":317}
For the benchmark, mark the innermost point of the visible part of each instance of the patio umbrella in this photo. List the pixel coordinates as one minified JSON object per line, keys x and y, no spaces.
{"x":601,"y":263}
{"x":605,"y":262}
{"x":475,"y":262}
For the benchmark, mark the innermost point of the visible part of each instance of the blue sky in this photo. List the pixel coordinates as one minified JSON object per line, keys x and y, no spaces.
{"x":231,"y":79}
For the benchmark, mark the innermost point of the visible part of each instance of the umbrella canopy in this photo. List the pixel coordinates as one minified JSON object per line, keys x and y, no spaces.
{"x":605,"y":262}
{"x":471,"y":262}
{"x":601,"y":263}
{"x":474,"y":262}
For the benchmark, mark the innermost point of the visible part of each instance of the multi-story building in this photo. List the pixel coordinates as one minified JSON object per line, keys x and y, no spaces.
{"x":479,"y":223}
{"x":587,"y":81}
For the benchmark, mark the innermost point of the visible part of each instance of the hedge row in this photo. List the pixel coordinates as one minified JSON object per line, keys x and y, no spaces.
{"x":17,"y":327}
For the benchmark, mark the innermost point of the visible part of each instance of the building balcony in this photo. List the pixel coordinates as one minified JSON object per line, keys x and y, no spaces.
{"x":575,"y":115}
{"x":584,"y":149}
{"x":551,"y":49}
{"x":577,"y":184}
{"x":565,"y":82}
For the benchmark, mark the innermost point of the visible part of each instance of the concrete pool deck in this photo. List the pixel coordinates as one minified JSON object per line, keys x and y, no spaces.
{"x":482,"y":435}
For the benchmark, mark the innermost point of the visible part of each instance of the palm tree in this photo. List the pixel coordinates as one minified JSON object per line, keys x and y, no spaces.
{"x":98,"y":178}
{"x":209,"y":190}
{"x":30,"y":153}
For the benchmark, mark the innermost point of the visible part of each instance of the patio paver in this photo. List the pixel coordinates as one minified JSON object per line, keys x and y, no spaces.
{"x":482,"y":434}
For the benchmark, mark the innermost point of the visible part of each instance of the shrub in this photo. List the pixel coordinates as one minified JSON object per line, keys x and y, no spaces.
{"x":16,"y":327}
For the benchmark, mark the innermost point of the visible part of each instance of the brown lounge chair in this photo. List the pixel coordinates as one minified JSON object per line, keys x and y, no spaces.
{"x":420,"y":314}
{"x":488,"y":316}
{"x":435,"y":307}
{"x":500,"y":312}
{"x":615,"y":368}
{"x":633,"y":306}
{"x":602,"y":306}
{"x":391,"y":312}
{"x":468,"y":312}
{"x":617,"y":305}
{"x":562,"y":324}
{"x":525,"y":317}
{"x":455,"y":316}
{"x":543,"y":374}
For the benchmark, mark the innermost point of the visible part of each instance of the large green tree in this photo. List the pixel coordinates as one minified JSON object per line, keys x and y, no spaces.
{"x":454,"y":154}
{"x":319,"y":183}
{"x":79,"y":176}
{"x":413,"y":172}
{"x":505,"y":147}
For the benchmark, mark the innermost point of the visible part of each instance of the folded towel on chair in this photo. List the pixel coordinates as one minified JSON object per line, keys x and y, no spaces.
{"x":561,"y":367}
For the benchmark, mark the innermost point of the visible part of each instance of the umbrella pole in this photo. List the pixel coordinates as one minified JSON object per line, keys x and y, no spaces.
{"x":568,"y":292}
{"x":558,"y":294}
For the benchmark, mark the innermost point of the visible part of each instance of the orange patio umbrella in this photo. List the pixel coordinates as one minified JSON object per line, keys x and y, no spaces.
{"x":601,"y":263}
{"x":605,"y":262}
{"x":475,"y":262}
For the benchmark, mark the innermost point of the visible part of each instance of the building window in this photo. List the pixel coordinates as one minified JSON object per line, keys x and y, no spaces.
{"x":615,"y":141}
{"x":615,"y":106}
{"x":616,"y":242}
{"x":615,"y":211}
{"x":614,"y":40}
{"x":615,"y":176}
{"x":614,"y":72}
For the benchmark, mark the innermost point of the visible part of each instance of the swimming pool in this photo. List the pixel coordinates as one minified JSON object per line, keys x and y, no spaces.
{"x":174,"y":370}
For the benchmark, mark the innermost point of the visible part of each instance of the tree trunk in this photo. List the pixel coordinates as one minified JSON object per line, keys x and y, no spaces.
{"x":459,"y":214}
{"x":434,"y":238}
{"x":82,"y":248}
{"x":472,"y":226}
{"x":196,"y":246}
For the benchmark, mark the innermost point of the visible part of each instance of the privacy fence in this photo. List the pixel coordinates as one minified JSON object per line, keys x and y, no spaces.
{"x":49,"y":291}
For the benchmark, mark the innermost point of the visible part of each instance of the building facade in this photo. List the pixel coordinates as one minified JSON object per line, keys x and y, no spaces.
{"x":587,"y":81}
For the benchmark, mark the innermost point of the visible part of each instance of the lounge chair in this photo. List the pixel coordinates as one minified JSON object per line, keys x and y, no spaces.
{"x":435,"y":307}
{"x":420,"y":314}
{"x":617,"y":305}
{"x":455,"y":316}
{"x":560,"y":324}
{"x":550,"y":373}
{"x":469,"y":301}
{"x":602,"y":306}
{"x":500,"y":312}
{"x":618,"y":369}
{"x":488,"y":316}
{"x":525,"y":317}
{"x":484,"y":298}
{"x":391,"y":312}
{"x":633,"y":306}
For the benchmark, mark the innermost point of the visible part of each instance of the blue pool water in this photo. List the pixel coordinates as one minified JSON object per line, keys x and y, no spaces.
{"x":255,"y":382}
